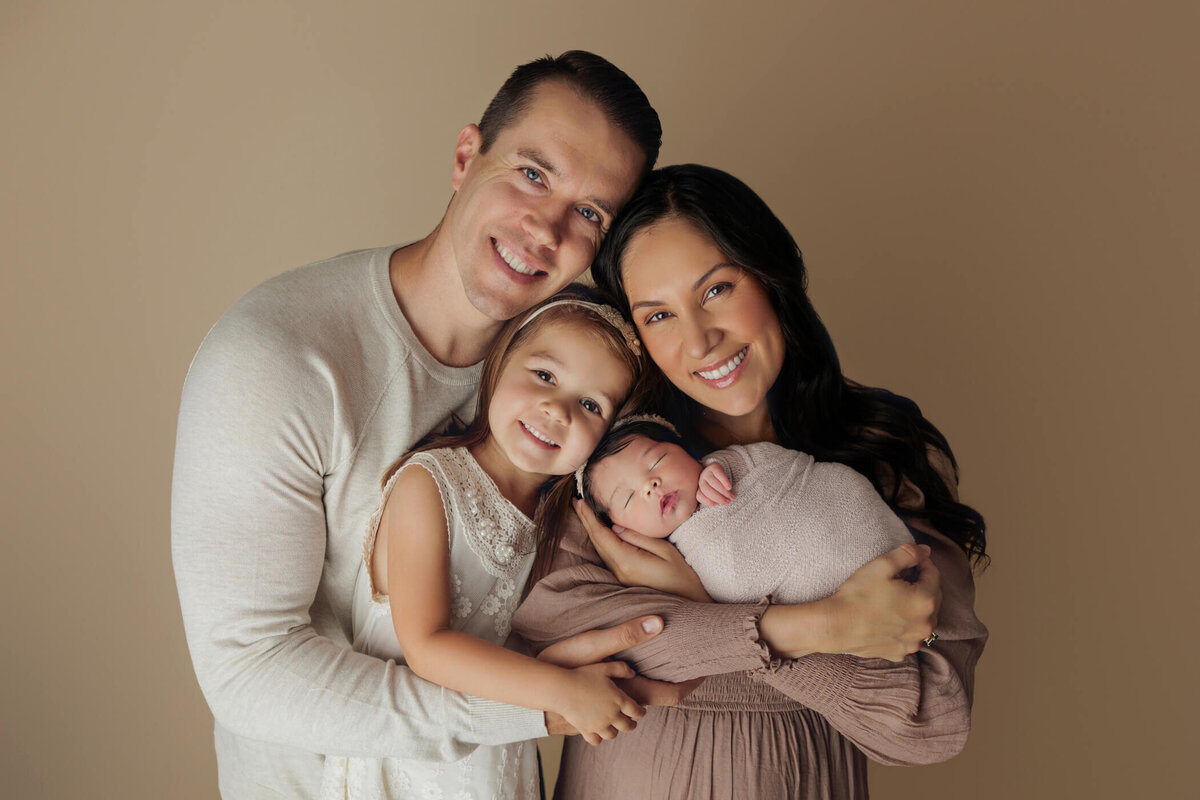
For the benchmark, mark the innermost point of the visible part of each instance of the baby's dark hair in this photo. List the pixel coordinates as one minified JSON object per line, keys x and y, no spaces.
{"x":613,"y":442}
{"x":555,"y":509}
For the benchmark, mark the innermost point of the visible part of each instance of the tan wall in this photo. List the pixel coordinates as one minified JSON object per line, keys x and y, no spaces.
{"x":997,"y":202}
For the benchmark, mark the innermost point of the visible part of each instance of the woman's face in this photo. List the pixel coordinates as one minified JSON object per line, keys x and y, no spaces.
{"x":708,"y":325}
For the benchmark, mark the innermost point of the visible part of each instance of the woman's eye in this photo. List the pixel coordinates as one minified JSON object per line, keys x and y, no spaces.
{"x":591,"y":405}
{"x":532,"y":174}
{"x":544,"y":376}
{"x":657,"y":316}
{"x":716,"y":289}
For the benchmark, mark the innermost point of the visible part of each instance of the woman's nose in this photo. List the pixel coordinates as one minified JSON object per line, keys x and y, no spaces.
{"x":698,"y":337}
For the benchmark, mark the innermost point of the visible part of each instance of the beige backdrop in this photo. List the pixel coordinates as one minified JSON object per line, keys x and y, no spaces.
{"x":997,"y":202}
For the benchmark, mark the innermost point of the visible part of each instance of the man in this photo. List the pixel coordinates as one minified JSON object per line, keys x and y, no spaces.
{"x":316,"y":380}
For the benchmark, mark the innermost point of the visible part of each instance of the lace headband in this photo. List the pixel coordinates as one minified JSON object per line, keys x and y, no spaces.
{"x":616,"y":426}
{"x":606,"y":313}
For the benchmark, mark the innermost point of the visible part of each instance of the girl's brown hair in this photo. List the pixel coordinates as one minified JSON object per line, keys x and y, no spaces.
{"x":512,"y":335}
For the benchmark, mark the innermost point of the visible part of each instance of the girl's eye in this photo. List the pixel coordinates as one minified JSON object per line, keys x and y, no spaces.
{"x":532,"y":174}
{"x":544,"y":376}
{"x":591,"y":405}
{"x":716,"y":289}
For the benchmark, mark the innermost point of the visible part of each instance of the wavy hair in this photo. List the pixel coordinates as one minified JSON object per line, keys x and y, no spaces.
{"x":813,"y":406}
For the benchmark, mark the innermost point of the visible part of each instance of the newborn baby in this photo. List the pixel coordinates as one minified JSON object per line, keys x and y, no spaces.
{"x":752,"y":520}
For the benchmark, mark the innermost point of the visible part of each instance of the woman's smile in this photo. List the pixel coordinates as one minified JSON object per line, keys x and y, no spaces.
{"x":707,"y":323}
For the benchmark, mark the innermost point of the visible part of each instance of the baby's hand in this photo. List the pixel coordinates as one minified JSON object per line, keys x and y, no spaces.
{"x":715,"y":488}
{"x":594,"y":705}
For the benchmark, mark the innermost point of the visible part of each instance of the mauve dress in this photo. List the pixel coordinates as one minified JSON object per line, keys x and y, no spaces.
{"x":759,"y":728}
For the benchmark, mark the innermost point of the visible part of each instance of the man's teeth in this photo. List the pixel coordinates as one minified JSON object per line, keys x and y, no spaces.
{"x":539,"y":435}
{"x":726,"y":368}
{"x":513,"y":261}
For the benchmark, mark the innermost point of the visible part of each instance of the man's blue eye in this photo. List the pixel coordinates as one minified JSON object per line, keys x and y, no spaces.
{"x":532,"y":174}
{"x":589,"y":214}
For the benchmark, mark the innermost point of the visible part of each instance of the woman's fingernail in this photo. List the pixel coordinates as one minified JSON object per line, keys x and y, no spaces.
{"x":652,"y":625}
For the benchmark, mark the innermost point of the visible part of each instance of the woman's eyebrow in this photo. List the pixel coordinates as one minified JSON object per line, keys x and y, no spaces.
{"x":720,"y":265}
{"x":699,"y":282}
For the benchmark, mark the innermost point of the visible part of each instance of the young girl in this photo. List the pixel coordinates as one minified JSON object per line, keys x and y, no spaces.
{"x":752,"y":520}
{"x":450,"y":550}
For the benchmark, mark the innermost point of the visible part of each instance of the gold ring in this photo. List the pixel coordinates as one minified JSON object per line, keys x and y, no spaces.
{"x":930,"y":639}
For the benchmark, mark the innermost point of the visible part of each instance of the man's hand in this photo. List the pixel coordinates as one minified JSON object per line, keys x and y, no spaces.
{"x":715,"y":488}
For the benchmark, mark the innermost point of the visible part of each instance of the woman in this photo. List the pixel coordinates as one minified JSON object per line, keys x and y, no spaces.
{"x":716,"y":287}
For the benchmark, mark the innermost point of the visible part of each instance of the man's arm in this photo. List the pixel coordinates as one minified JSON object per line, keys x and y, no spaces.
{"x":248,"y":544}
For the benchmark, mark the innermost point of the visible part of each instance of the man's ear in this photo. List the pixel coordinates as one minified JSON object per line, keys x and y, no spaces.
{"x":469,"y":141}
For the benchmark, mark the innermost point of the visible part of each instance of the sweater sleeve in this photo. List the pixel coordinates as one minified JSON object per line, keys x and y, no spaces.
{"x":248,"y":547}
{"x":698,"y":639}
{"x":917,"y":711}
{"x":913,"y":712}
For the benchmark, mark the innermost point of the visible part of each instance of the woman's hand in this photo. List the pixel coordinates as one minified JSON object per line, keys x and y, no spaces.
{"x":638,"y":560}
{"x":874,"y":614}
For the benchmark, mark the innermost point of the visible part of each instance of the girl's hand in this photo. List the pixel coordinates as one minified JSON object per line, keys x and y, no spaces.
{"x":874,"y":614}
{"x":592,"y":704}
{"x":715,"y":488}
{"x":638,"y":560}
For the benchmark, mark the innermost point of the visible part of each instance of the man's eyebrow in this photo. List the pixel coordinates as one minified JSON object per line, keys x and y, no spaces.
{"x":537,"y":157}
{"x":699,"y":282}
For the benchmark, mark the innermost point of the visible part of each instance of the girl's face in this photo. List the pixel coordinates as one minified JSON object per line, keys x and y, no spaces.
{"x":555,"y":398}
{"x":648,"y":486}
{"x":708,"y":325}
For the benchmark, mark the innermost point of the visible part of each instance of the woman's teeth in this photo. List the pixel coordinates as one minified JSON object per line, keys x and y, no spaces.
{"x":723,"y":370}
{"x":539,"y":435}
{"x":513,"y":260}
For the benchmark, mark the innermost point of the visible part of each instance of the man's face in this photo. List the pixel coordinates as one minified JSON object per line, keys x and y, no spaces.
{"x":528,"y":215}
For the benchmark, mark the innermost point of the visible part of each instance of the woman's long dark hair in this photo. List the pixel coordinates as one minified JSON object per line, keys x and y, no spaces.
{"x":813,"y":407}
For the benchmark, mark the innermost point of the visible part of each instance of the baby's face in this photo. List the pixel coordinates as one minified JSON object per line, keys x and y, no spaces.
{"x":649,"y":487}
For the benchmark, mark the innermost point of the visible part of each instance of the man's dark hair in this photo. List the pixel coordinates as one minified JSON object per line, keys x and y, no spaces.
{"x":595,"y":79}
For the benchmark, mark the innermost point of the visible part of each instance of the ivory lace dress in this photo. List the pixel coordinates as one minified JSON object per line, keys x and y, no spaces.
{"x":491,"y":553}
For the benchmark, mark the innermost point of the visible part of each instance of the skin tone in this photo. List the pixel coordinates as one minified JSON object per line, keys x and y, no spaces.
{"x":654,"y":487}
{"x":573,"y":158}
{"x":526,"y":219}
{"x":711,"y":329}
{"x":554,"y":398}
{"x":708,"y":325}
{"x":553,"y":401}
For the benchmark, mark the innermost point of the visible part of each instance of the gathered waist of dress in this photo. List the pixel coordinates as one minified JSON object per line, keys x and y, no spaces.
{"x":737,"y":691}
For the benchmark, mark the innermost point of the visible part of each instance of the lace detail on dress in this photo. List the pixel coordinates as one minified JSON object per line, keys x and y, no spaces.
{"x":496,"y":530}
